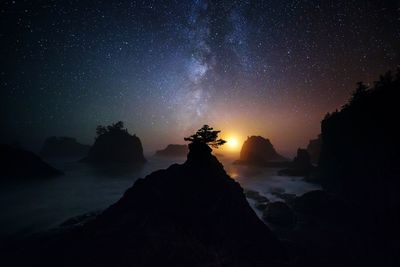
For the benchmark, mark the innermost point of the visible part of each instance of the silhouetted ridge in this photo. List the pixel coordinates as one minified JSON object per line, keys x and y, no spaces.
{"x":114,"y":144}
{"x":257,"y":150}
{"x":19,"y":163}
{"x":173,"y":150}
{"x":360,"y":144}
{"x":192,"y":214}
{"x":63,"y":147}
{"x":360,"y":162}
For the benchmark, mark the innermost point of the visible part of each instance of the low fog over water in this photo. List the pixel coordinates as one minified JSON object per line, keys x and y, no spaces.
{"x":31,"y":206}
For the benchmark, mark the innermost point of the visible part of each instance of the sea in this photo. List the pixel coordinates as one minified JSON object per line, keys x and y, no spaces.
{"x":31,"y":206}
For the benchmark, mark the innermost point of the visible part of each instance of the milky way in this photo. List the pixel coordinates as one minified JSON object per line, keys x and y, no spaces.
{"x":273,"y":68}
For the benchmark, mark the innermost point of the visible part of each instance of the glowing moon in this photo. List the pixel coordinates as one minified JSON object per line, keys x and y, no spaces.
{"x":232,"y":143}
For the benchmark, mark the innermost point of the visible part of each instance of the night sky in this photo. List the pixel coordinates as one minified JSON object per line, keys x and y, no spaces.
{"x":165,"y":68}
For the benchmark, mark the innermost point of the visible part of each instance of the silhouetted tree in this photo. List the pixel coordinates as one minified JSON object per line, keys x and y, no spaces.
{"x":206,"y":135}
{"x":100,"y":130}
{"x":115,"y":127}
{"x":115,"y":144}
{"x":359,"y":93}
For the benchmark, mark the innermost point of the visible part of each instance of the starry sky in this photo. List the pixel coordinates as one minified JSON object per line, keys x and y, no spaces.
{"x":165,"y":68}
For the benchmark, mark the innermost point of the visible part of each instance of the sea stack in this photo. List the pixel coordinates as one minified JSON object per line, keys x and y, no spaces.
{"x":300,"y":166}
{"x":114,"y":144}
{"x":314,"y":149}
{"x":257,"y":150}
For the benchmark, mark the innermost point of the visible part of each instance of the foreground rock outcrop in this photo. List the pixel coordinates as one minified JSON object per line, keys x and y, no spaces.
{"x":63,"y":147}
{"x":257,"y":150}
{"x":19,"y":163}
{"x":114,"y":144}
{"x":173,"y":150}
{"x":191,"y":214}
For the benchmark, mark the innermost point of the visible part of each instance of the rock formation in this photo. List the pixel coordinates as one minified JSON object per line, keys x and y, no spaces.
{"x":63,"y":147}
{"x":19,"y":163}
{"x":314,"y":149}
{"x":191,"y":214}
{"x":257,"y":150}
{"x":359,"y":162}
{"x":114,"y":144}
{"x":301,"y":165}
{"x":173,"y":150}
{"x":360,"y":149}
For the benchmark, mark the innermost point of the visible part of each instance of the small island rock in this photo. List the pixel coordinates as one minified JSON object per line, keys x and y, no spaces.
{"x":115,"y":144}
{"x":257,"y":150}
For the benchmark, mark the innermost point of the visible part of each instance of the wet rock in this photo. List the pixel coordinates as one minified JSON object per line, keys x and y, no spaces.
{"x":261,"y":206}
{"x":256,"y":196}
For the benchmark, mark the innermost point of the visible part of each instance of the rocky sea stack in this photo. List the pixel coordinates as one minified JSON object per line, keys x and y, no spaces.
{"x":300,"y":166}
{"x":191,"y":214}
{"x":257,"y":150}
{"x":173,"y":150}
{"x":114,"y":144}
{"x":63,"y":147}
{"x":19,"y":163}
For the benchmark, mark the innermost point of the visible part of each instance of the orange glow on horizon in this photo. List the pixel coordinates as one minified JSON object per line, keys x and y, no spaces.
{"x":232,"y":144}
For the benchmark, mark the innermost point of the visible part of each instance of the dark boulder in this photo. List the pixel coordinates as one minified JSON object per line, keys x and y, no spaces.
{"x":19,"y":163}
{"x":63,"y":147}
{"x":255,"y":196}
{"x":173,"y":151}
{"x":261,"y":205}
{"x":257,"y":150}
{"x":191,"y":214}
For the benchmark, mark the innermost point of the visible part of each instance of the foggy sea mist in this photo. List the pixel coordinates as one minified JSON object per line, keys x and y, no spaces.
{"x":31,"y":206}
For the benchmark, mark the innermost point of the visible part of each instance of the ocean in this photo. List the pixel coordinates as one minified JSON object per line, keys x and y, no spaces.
{"x":31,"y":206}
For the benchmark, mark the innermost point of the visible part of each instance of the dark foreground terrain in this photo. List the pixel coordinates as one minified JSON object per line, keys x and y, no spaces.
{"x":192,"y":214}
